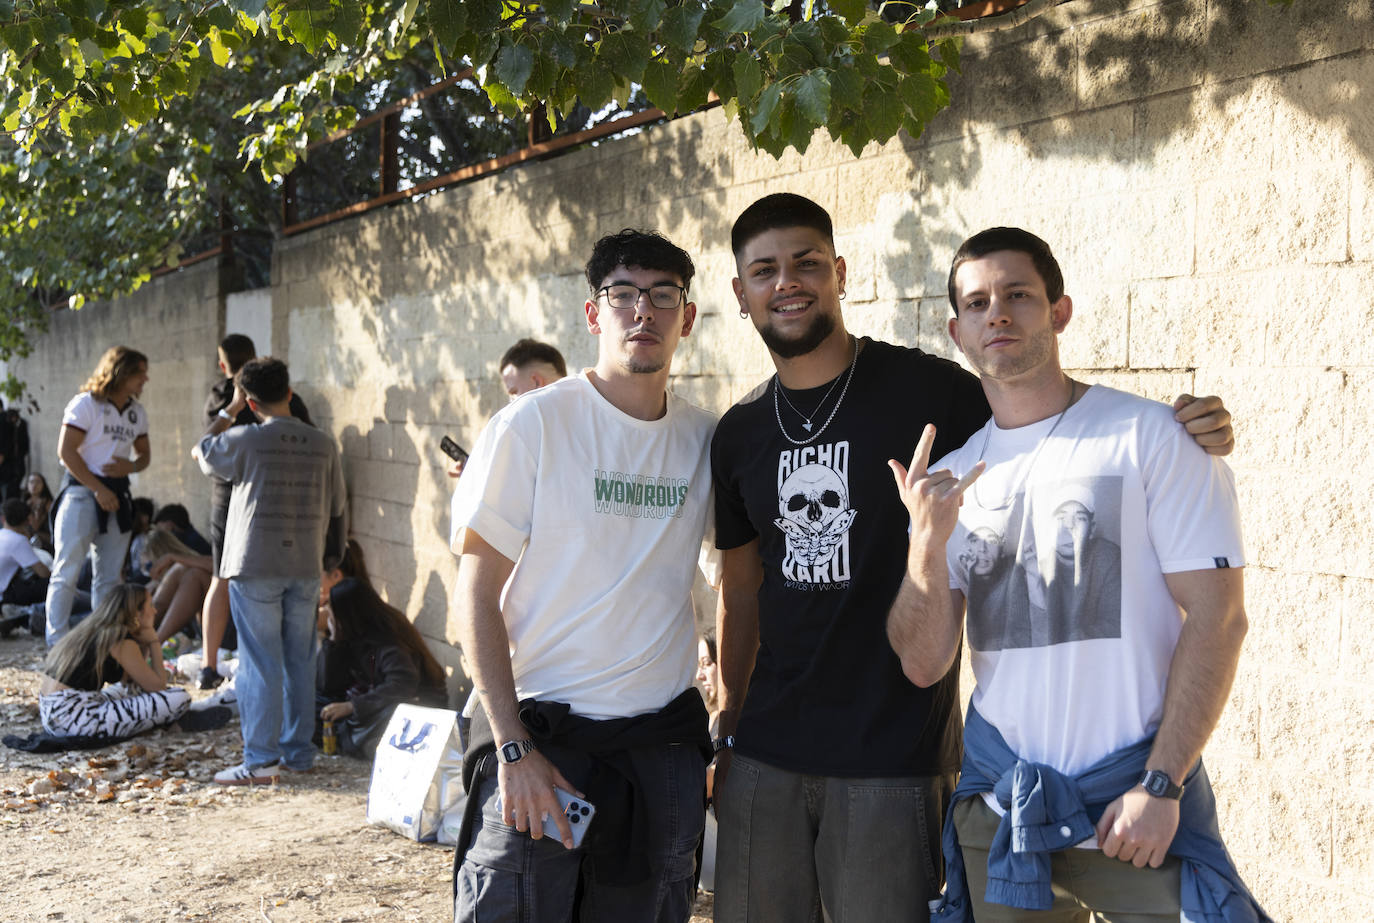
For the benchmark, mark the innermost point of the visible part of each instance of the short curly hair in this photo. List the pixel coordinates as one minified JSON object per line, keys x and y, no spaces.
{"x":640,"y":250}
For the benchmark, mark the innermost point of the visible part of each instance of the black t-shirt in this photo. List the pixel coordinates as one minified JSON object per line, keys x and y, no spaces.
{"x":828,"y":696}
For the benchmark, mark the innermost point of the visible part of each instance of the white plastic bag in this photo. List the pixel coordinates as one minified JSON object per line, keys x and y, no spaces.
{"x":417,"y":775}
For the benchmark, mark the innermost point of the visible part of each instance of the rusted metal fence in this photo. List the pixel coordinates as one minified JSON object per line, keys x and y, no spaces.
{"x":383,"y":159}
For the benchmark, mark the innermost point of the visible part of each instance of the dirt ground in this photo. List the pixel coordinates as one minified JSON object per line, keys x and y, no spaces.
{"x":138,"y":832}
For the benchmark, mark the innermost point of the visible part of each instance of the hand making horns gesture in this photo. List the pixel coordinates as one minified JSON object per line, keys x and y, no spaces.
{"x":931,"y":497}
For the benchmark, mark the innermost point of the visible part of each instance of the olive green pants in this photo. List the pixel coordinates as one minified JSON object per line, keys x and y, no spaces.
{"x":1087,"y":884}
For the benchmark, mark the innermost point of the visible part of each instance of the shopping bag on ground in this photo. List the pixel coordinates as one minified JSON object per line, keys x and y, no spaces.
{"x":417,"y":775}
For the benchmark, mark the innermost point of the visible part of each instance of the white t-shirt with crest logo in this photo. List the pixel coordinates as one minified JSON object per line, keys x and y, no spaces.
{"x":110,"y":432}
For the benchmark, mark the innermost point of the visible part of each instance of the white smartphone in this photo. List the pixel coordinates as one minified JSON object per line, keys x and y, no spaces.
{"x":578,"y":811}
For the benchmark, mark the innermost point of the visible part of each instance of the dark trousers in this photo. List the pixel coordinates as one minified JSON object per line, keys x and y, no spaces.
{"x":793,"y":848}
{"x":26,"y":589}
{"x":510,"y":877}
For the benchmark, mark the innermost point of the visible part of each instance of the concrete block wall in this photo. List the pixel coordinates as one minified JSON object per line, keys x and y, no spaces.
{"x":1202,"y":167}
{"x":175,"y":320}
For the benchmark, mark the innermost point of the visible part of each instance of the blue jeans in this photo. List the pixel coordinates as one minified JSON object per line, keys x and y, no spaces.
{"x":75,"y":532}
{"x":276,"y":674}
{"x":792,"y":847}
{"x":510,"y":877}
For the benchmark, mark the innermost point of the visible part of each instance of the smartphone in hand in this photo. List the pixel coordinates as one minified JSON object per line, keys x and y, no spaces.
{"x":453,"y":450}
{"x":578,"y":811}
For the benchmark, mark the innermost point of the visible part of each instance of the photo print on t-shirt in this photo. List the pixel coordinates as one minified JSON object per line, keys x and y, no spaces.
{"x":814,"y":515}
{"x":1045,"y":569}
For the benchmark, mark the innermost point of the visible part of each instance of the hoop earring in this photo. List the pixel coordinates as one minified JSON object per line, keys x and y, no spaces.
{"x":843,"y":295}
{"x":743,"y":313}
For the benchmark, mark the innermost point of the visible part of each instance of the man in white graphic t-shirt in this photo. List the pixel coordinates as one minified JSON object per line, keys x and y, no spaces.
{"x":579,"y":518}
{"x":1082,"y":788}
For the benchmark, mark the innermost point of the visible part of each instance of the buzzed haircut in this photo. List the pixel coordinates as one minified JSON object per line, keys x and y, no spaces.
{"x":780,"y":210}
{"x":526,"y":351}
{"x":994,"y":240}
{"x":637,"y":249}
{"x":237,"y":350}
{"x":16,"y":512}
{"x":265,"y":380}
{"x":174,"y":513}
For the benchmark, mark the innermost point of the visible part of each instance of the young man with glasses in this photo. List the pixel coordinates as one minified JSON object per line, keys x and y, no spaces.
{"x":833,"y":793}
{"x":578,"y":518}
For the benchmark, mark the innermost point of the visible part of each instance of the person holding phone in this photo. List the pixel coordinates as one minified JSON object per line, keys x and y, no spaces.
{"x":527,"y":365}
{"x":216,"y":625}
{"x":577,"y":521}
{"x":287,"y":523}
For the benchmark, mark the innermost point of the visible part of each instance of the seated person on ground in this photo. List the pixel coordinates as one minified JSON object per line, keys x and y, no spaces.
{"x":179,"y":578}
{"x":137,"y":571}
{"x":23,"y":577}
{"x":35,"y":485}
{"x":40,"y":532}
{"x":174,"y":518}
{"x":351,"y":564}
{"x":105,"y":678}
{"x":373,"y":660}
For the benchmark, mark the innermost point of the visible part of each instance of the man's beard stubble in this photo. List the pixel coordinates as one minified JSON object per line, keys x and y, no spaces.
{"x":821,"y":328}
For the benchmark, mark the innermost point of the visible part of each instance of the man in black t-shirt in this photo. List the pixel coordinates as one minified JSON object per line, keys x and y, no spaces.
{"x":833,"y":773}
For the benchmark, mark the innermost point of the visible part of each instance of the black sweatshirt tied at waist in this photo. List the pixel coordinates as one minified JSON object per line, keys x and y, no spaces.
{"x":593,"y":755}
{"x":124,"y":516}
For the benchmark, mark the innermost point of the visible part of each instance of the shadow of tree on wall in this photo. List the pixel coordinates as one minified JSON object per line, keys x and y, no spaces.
{"x":437,"y":289}
{"x":1138,"y":96}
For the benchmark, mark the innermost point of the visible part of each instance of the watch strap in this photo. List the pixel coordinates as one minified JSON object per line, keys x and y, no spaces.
{"x":723,"y":743}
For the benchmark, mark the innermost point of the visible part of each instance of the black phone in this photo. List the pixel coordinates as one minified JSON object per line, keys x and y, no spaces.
{"x":453,"y":450}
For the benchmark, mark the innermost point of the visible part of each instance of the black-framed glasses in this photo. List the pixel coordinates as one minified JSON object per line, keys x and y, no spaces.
{"x":665,"y":296}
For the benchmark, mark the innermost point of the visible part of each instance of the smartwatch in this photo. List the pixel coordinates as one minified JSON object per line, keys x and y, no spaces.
{"x":1158,"y":783}
{"x":514,"y":751}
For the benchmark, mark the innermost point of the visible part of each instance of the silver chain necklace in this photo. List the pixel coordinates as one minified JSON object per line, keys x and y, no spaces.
{"x":777,"y":388}
{"x":1009,"y":498}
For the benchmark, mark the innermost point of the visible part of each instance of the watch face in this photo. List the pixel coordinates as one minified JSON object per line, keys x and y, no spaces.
{"x":1155,"y":784}
{"x":510,"y":752}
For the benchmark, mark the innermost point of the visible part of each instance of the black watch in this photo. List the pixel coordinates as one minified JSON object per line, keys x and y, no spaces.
{"x":723,"y":743}
{"x":1158,"y":783}
{"x":514,"y":751}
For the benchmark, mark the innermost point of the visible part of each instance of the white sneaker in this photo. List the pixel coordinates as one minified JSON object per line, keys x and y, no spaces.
{"x":242,"y":775}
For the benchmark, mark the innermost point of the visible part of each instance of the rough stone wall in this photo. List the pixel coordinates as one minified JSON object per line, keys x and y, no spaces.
{"x":1203,"y":170}
{"x":175,"y":320}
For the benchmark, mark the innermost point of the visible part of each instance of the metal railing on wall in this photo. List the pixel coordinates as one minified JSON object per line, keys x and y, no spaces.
{"x":445,"y":134}
{"x":387,"y":157}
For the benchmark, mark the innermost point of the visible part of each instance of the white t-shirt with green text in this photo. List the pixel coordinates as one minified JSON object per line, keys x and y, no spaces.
{"x":604,"y":515}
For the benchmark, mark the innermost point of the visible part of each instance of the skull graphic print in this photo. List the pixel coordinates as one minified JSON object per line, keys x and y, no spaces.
{"x":814,"y":513}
